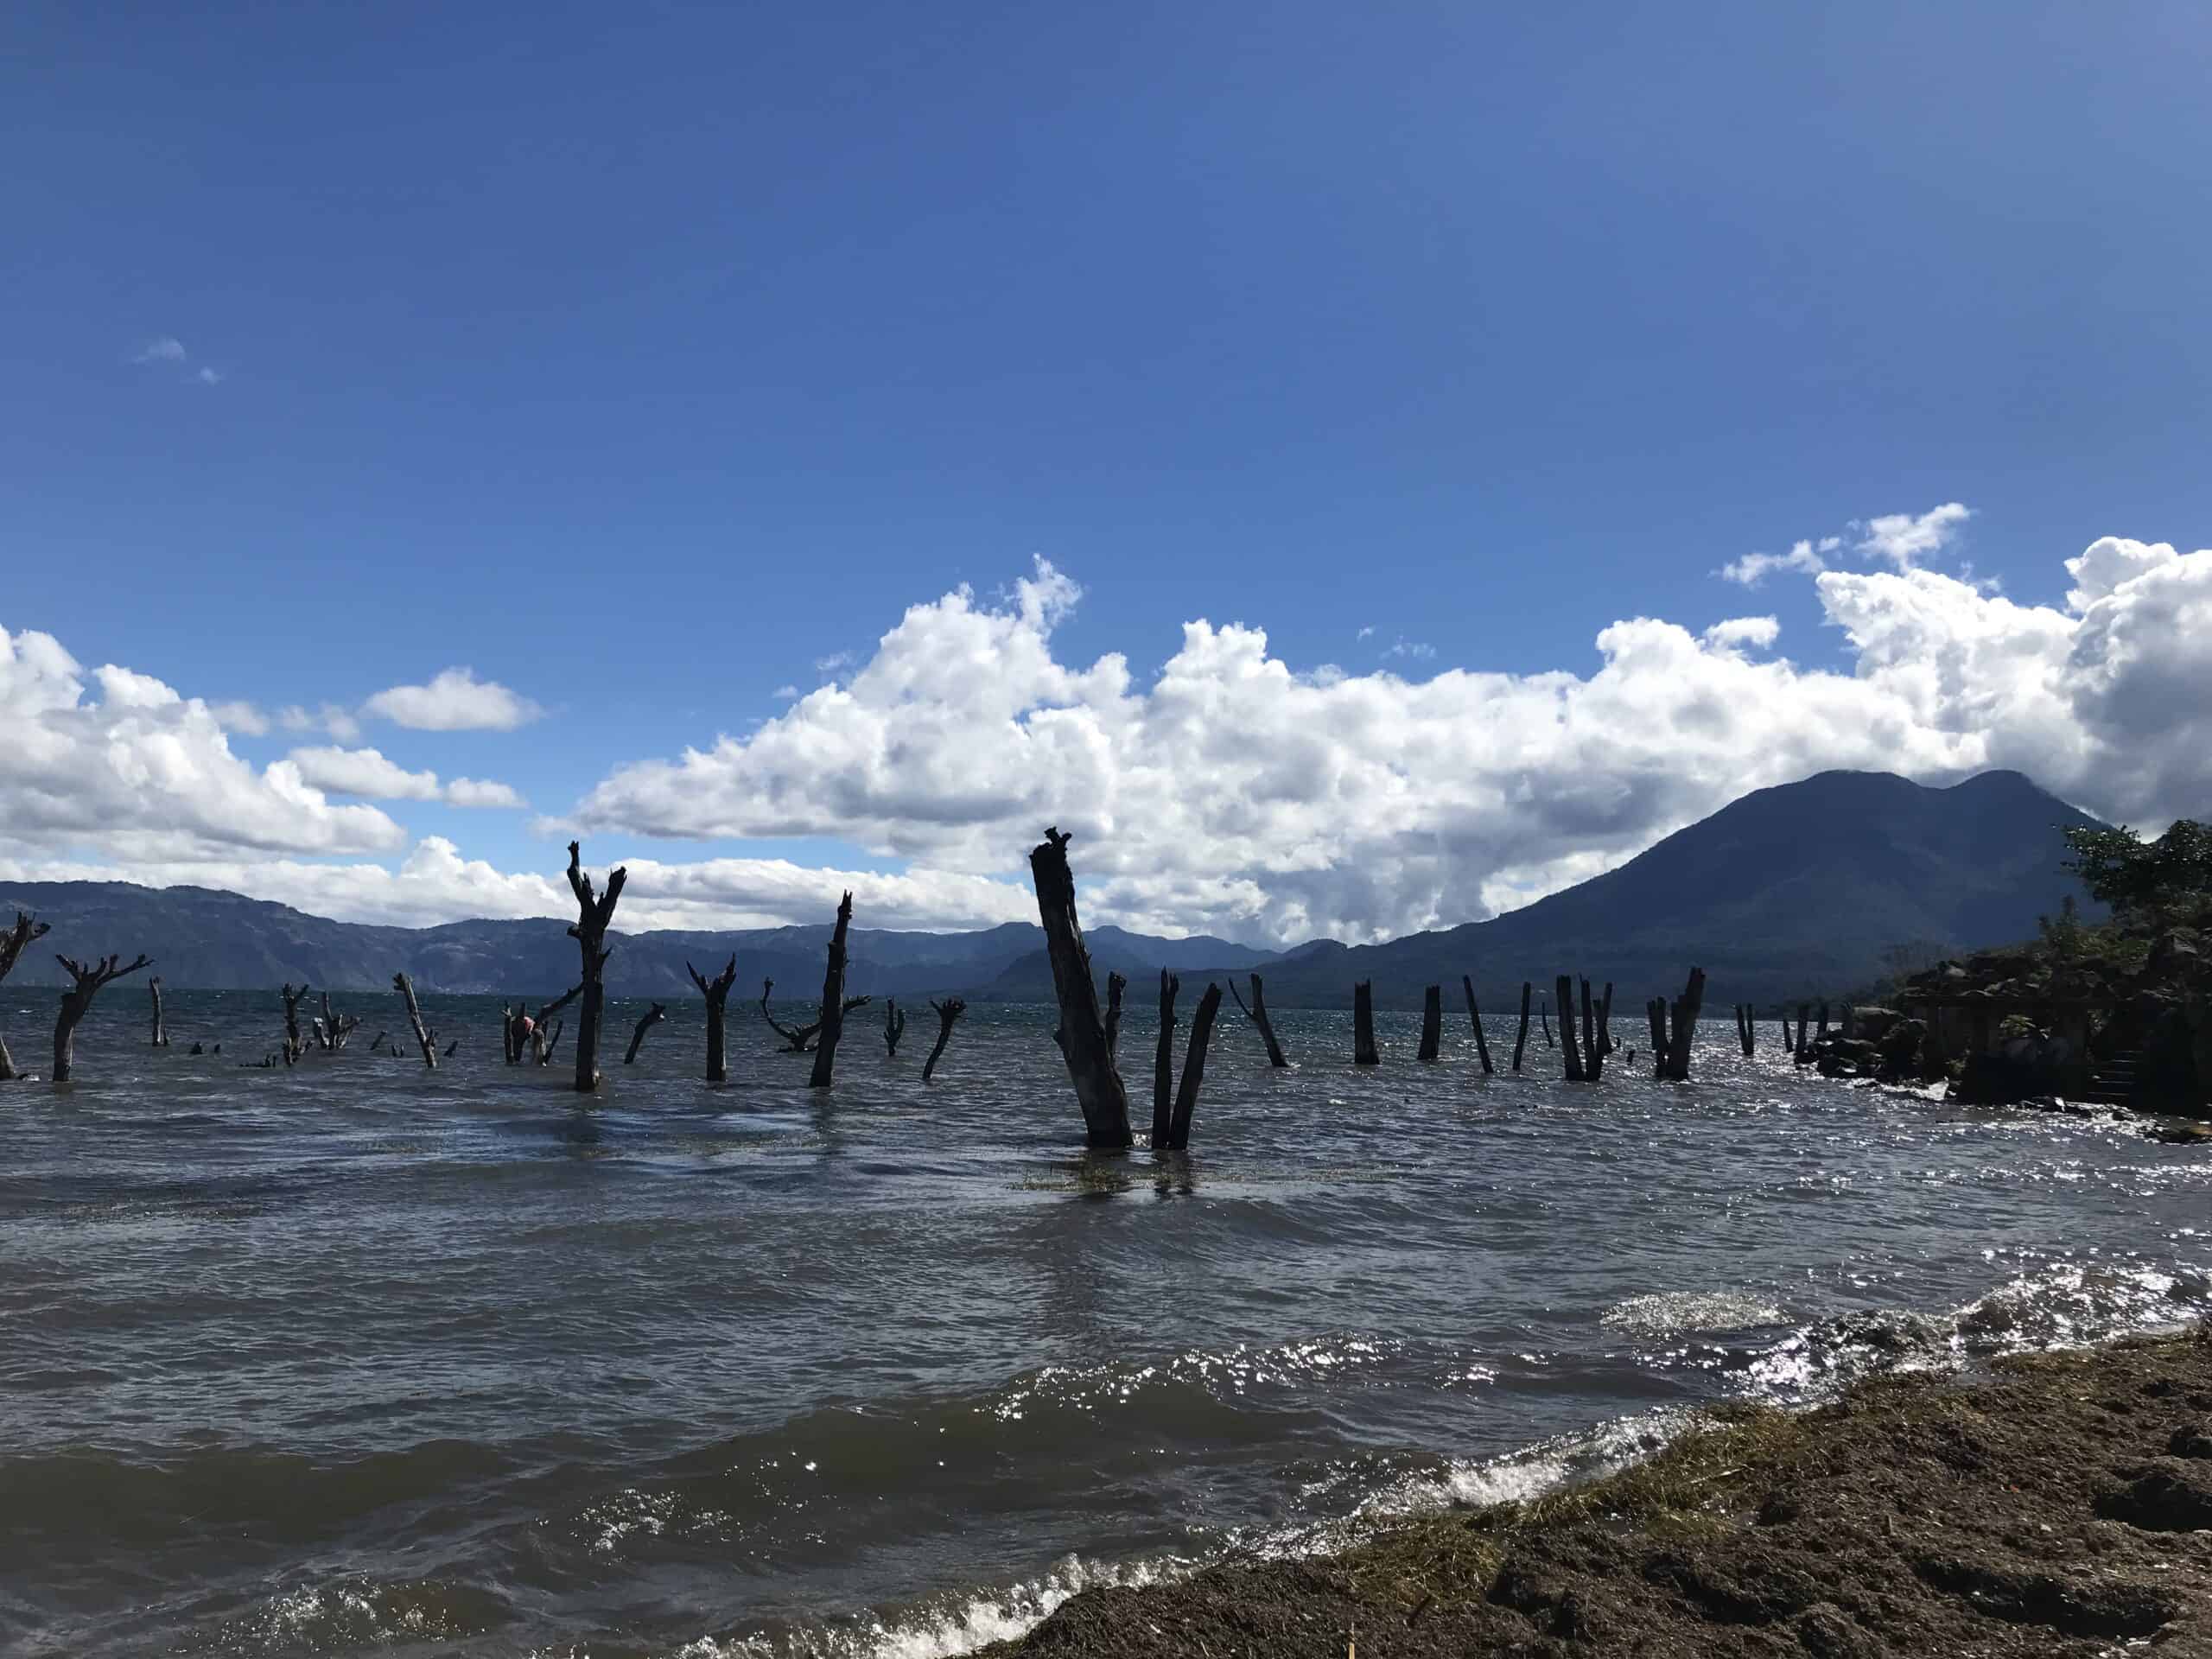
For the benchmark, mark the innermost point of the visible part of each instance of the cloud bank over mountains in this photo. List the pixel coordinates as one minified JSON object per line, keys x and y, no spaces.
{"x":1226,"y":791}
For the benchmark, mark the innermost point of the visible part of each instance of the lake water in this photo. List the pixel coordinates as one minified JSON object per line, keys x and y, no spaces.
{"x":359,"y":1357}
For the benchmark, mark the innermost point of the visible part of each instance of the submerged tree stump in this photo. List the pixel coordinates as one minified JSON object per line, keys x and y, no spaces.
{"x":948,"y":1014}
{"x":593,"y":912}
{"x":1655,"y":1011}
{"x":1475,"y":1018}
{"x":423,"y":1040}
{"x":77,"y":1002}
{"x":12,"y":943}
{"x":894,"y":1026}
{"x":1804,"y":1025}
{"x":293,"y":1045}
{"x":1362,"y":1025}
{"x":337,"y":1029}
{"x":1521,"y":1038}
{"x":1596,"y":1016}
{"x":638,"y":1035}
{"x":1257,"y":1014}
{"x":1544,"y":1016}
{"x":1163,"y":1063}
{"x":1744,"y":1029}
{"x":161,"y":1033}
{"x":1685,"y":1026}
{"x":1194,"y":1069}
{"x":833,"y":1000}
{"x":1098,"y":1089}
{"x":716,"y":991}
{"x":1432,"y":1023}
{"x":1570,"y":1050}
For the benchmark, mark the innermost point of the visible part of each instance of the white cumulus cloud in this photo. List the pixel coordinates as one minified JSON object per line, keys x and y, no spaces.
{"x":454,"y":701}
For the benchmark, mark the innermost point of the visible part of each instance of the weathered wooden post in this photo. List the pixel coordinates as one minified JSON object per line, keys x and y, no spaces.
{"x":1362,"y":1025}
{"x":1432,"y":1022}
{"x":638,"y":1033}
{"x":1475,"y":1018}
{"x":1257,"y":1014}
{"x":593,"y":912}
{"x":1743,"y":1028}
{"x":77,"y":1002}
{"x":1194,"y":1069}
{"x":894,"y":1026}
{"x":833,"y":1000}
{"x":1804,"y":1025}
{"x":1594,"y":1038}
{"x":1098,"y":1088}
{"x":1685,"y":1031}
{"x":1521,"y":1038}
{"x":716,"y":991}
{"x":422,"y":1038}
{"x":948,"y":1012}
{"x":1563,"y":988}
{"x":12,"y":943}
{"x":161,"y":1035}
{"x":1656,"y":1012}
{"x":1163,"y":1062}
{"x":1823,"y":1028}
{"x":1544,"y":1014}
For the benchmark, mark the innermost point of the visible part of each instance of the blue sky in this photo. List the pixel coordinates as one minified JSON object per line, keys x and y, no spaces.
{"x":644,"y":359}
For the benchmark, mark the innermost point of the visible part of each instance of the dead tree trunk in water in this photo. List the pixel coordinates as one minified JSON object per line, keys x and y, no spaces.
{"x":1656,"y":1012}
{"x":1257,"y":1014}
{"x":337,"y":1029}
{"x":1114,"y":986}
{"x":1475,"y":1018}
{"x":1194,"y":1069}
{"x":637,"y":1035}
{"x":1822,"y":1029}
{"x":1098,"y":1089}
{"x":1544,"y":1014}
{"x":1804,"y":1025}
{"x":1362,"y":1025}
{"x":401,"y":984}
{"x":1432,"y":1023}
{"x":1595,"y":1017}
{"x":11,"y":946}
{"x":1786,"y":1047}
{"x":833,"y":1000}
{"x":1163,"y":1064}
{"x":894,"y":1026}
{"x":77,"y":1001}
{"x":593,"y":912}
{"x":294,"y":1047}
{"x":1521,"y":1040}
{"x":1685,"y":1030}
{"x":948,"y":1013}
{"x":716,"y":991}
{"x":547,"y":1042}
{"x":161,"y":1033}
{"x":1571,"y":1051}
{"x":1744,"y":1029}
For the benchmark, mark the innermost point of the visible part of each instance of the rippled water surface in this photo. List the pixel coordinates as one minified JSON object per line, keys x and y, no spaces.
{"x":361,"y":1357}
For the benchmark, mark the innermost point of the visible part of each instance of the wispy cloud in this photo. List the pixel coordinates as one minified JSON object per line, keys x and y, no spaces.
{"x":1752,"y":569}
{"x":164,"y":350}
{"x":1905,"y":539}
{"x":1367,"y":632}
{"x":786,"y":692}
{"x":1412,"y":650}
{"x":833,"y":661}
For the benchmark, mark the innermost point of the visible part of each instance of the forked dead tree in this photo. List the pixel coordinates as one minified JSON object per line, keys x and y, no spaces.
{"x":1163,"y":1062}
{"x":716,"y":991}
{"x":1362,"y":1025}
{"x":11,"y":946}
{"x":334,"y":1029}
{"x":833,"y":1000}
{"x":799,"y":1040}
{"x":1194,"y":1069}
{"x":1521,"y":1040}
{"x":77,"y":1002}
{"x":1257,"y":1014}
{"x":593,"y":912}
{"x":1432,"y":1023}
{"x":294,"y":1046}
{"x":547,"y":1041}
{"x":524,"y":1028}
{"x":948,"y":1016}
{"x":423,"y":1040}
{"x":1098,"y":1088}
{"x":645,"y":1023}
{"x":894,"y":1026}
{"x":160,"y":1032}
{"x":1475,"y":1018}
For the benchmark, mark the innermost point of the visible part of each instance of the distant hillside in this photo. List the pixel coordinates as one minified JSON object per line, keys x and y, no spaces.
{"x":1796,"y":890}
{"x":1788,"y":891}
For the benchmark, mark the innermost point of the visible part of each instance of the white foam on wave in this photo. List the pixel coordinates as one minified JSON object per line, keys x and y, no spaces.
{"x":1670,"y":1312}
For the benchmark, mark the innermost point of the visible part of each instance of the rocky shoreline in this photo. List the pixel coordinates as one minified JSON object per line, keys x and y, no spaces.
{"x":2058,"y":1506}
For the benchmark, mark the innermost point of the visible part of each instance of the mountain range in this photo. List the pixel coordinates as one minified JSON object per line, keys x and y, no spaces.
{"x":1802,"y":889}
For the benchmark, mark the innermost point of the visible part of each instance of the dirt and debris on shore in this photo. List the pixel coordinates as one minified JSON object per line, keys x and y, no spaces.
{"x":2060,"y":1506}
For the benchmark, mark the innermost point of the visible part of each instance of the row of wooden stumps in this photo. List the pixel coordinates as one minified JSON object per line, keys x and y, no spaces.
{"x":1088,"y":1036}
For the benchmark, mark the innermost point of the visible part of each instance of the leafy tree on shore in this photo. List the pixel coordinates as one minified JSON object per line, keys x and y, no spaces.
{"x":2132,"y":875}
